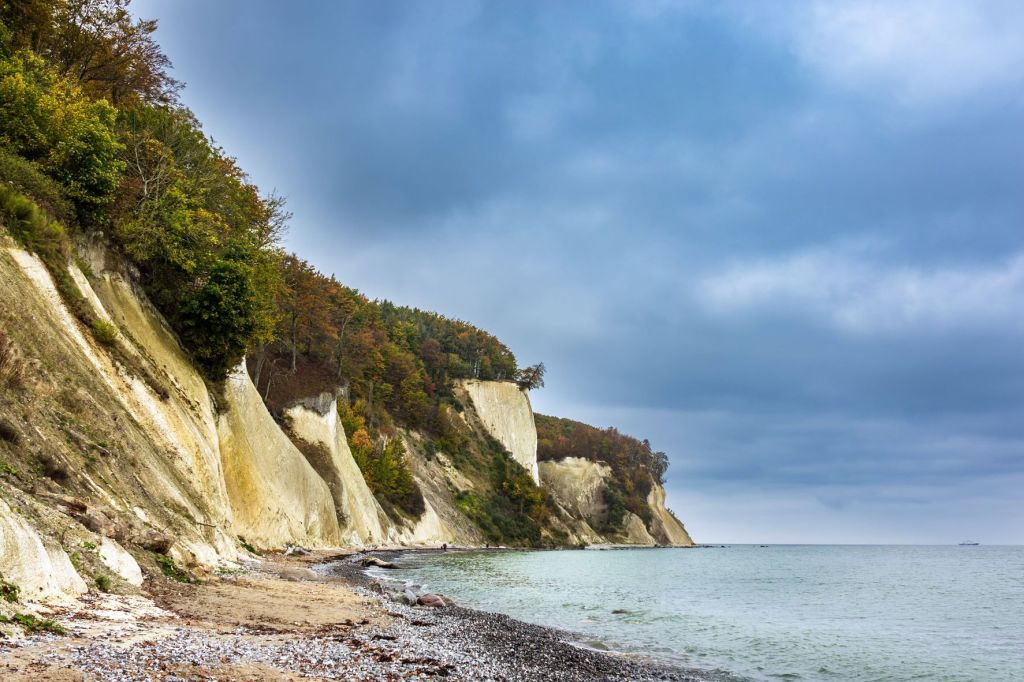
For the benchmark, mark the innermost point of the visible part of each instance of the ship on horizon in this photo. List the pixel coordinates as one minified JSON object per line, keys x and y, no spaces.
{"x":969,"y":543}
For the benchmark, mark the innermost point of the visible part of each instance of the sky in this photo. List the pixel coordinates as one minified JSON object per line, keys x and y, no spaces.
{"x":783,"y":241}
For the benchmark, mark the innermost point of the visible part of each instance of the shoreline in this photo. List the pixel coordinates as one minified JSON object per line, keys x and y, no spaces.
{"x":541,"y":652}
{"x":312,"y":617}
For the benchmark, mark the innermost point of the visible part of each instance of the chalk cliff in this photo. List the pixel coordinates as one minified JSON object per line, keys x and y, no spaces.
{"x":128,"y":434}
{"x":505,"y":410}
{"x":315,"y":421}
{"x":665,"y":527}
{"x":276,"y":497}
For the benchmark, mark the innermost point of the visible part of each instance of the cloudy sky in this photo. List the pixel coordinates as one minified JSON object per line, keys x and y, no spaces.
{"x":782,"y":240}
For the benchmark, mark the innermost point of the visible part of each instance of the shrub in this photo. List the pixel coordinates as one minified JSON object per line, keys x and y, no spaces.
{"x":103,"y":582}
{"x":249,"y":548}
{"x":515,"y":509}
{"x":171,"y":569}
{"x":615,"y":504}
{"x":104,"y":332}
{"x":387,"y":474}
{"x":28,"y":178}
{"x":382,"y":462}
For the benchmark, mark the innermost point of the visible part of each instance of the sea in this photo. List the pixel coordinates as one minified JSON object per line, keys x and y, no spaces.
{"x":752,"y":612}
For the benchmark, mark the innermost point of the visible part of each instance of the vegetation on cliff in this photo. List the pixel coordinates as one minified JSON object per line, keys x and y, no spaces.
{"x":636,"y":467}
{"x":91,"y":131}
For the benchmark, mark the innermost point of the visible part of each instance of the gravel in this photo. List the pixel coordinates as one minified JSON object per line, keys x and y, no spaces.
{"x":416,"y":643}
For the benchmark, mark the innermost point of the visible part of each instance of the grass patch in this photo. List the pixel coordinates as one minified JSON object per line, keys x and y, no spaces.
{"x":6,"y":468}
{"x":12,"y":371}
{"x":103,"y":582}
{"x":91,"y":546}
{"x":32,"y":624}
{"x":171,"y":569}
{"x":249,"y":548}
{"x":34,"y":229}
{"x":228,"y":570}
{"x":8,"y":591}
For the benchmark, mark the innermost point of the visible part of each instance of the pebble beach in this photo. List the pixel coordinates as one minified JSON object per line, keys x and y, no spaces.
{"x":284,"y":621}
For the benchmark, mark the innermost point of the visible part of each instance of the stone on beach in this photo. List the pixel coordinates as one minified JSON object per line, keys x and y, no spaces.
{"x":375,"y":561}
{"x":431,"y":599}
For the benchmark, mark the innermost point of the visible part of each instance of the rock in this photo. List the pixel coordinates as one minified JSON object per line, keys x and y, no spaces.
{"x":377,"y":586}
{"x":294,"y":550}
{"x":375,"y":561}
{"x":431,"y":599}
{"x":154,"y":541}
{"x":41,"y":570}
{"x":120,"y":562}
{"x":95,"y":521}
{"x":410,"y":597}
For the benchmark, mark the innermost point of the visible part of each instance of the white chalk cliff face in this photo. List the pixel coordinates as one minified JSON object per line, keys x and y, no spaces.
{"x":505,"y":411}
{"x":577,"y":486}
{"x":276,"y":497}
{"x":163,"y":467}
{"x":362,"y":520}
{"x":169,"y":461}
{"x":665,"y":527}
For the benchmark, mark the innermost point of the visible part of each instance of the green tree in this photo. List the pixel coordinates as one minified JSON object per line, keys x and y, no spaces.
{"x":45,"y":118}
{"x":532,"y":377}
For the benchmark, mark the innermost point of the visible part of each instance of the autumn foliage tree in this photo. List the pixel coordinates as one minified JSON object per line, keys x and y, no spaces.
{"x":96,"y":44}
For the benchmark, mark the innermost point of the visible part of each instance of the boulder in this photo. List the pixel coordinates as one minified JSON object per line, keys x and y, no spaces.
{"x":154,"y":541}
{"x":431,"y":599}
{"x":410,"y":597}
{"x":96,"y":521}
{"x":120,"y":562}
{"x":375,"y":561}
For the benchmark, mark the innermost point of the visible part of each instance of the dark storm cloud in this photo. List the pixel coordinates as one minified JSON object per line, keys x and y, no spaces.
{"x":781,"y":240}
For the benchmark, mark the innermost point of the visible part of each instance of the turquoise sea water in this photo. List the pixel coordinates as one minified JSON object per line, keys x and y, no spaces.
{"x":765,"y":613}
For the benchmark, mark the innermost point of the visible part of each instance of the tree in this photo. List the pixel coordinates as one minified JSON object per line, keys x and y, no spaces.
{"x":219,"y":320}
{"x":47,"y":119}
{"x":96,"y":44}
{"x":297,"y":300}
{"x":530,"y":378}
